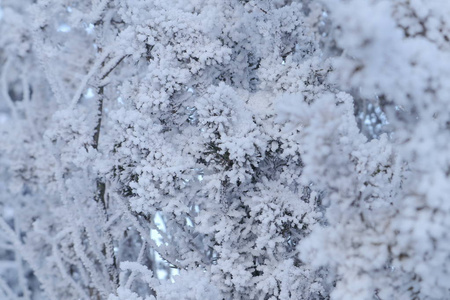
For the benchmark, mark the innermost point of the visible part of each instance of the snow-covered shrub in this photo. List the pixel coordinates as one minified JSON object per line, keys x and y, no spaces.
{"x":193,"y":149}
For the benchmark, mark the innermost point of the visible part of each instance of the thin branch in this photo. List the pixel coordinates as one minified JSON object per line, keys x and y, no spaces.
{"x":139,"y":261}
{"x":98,"y":63}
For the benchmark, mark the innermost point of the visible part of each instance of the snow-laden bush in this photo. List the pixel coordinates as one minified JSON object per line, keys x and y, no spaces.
{"x":193,"y":149}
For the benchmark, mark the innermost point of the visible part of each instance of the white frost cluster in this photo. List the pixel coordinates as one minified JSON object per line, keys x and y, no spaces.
{"x":224,"y":149}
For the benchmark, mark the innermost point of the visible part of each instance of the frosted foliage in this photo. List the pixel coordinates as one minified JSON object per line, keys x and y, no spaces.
{"x":232,"y":149}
